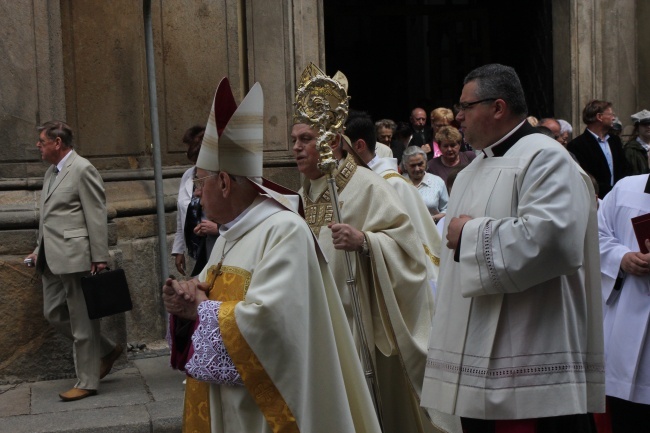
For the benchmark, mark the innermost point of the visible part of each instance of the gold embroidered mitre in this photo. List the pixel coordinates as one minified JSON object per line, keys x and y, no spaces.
{"x":233,"y":139}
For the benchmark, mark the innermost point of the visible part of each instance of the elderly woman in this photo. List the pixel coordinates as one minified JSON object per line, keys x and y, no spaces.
{"x":451,"y":158}
{"x":432,"y":188}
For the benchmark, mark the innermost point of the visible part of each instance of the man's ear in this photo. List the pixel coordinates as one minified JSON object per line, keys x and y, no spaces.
{"x":224,"y":184}
{"x":336,"y":142}
{"x":360,"y":146}
{"x":500,"y":108}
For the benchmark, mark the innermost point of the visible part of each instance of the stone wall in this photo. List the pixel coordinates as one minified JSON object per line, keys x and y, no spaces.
{"x":84,"y":62}
{"x":32,"y":350}
{"x":597,"y":56}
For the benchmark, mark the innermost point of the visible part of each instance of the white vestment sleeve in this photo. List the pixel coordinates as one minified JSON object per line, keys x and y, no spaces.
{"x":611,"y":249}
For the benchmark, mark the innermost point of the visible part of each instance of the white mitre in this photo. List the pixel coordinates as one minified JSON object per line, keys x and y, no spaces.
{"x":233,"y":139}
{"x":233,"y":142}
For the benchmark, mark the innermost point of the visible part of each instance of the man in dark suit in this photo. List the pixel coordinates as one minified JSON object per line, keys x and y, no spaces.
{"x":599,"y":153}
{"x":72,"y":242}
{"x":422,"y":134}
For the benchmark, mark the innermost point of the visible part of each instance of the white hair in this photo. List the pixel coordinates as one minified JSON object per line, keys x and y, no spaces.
{"x":256,"y":179}
{"x":240,"y":179}
{"x":565,"y":126}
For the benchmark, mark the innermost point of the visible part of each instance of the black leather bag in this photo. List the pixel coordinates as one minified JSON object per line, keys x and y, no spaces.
{"x":106,"y":293}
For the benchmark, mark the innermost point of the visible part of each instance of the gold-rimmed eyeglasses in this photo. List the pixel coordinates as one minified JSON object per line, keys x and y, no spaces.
{"x":199,"y":182}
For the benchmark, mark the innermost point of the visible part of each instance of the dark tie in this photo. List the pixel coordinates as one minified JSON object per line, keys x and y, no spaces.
{"x":54,"y":173}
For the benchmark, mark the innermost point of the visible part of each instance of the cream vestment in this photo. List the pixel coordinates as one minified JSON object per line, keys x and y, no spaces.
{"x":283,"y":326}
{"x":518,"y":326}
{"x":397,"y":303}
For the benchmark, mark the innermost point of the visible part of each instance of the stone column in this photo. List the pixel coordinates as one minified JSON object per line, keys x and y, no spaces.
{"x":281,"y":39}
{"x":620,"y":56}
{"x":643,"y":55}
{"x":595,"y":57}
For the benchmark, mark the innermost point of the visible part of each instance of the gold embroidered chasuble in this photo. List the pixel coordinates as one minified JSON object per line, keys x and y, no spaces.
{"x":278,"y":299}
{"x":396,"y":300}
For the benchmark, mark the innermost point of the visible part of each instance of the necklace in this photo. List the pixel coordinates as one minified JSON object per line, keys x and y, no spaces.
{"x":223,"y":256}
{"x":213,"y":274}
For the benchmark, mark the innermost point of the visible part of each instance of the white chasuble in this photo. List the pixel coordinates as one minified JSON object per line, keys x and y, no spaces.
{"x":518,"y":326}
{"x":396,"y":300}
{"x":627,"y":309}
{"x":421,"y":219}
{"x":283,"y":325}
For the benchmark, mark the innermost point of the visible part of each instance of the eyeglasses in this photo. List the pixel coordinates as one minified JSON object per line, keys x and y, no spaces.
{"x":463,"y":106}
{"x":199,"y":182}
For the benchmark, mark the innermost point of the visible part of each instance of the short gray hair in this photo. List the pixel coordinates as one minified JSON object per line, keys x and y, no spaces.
{"x":499,"y":82}
{"x":57,"y":129}
{"x":409,"y":152}
{"x":385,"y":123}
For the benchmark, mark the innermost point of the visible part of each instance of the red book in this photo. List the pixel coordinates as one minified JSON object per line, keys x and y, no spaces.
{"x":641,"y":225}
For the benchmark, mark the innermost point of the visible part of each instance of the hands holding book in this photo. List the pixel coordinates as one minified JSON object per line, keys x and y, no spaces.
{"x":637,"y":263}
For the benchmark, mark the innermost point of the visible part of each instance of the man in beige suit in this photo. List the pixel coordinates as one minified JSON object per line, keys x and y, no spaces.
{"x":72,"y":241}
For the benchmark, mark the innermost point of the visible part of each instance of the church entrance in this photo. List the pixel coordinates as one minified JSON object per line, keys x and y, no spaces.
{"x":398,"y":54}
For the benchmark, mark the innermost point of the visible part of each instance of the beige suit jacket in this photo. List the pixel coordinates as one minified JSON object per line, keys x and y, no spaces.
{"x":73,"y":227}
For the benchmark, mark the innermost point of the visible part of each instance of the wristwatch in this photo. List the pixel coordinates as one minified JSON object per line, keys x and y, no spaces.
{"x":364,"y":247}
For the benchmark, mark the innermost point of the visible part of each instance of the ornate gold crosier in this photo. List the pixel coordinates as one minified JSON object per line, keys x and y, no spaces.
{"x":322,"y":103}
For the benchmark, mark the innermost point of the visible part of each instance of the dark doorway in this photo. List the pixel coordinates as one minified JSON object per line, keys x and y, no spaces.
{"x":399,"y":54}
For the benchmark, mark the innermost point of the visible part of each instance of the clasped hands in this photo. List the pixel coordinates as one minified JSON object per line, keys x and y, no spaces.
{"x":181,"y":298}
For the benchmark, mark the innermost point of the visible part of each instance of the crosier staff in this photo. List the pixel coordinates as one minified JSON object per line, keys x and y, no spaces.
{"x":322,"y":103}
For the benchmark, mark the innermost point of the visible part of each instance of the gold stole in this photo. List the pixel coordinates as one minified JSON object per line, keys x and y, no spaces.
{"x":230,"y":287}
{"x":319,"y":213}
{"x":196,"y":406}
